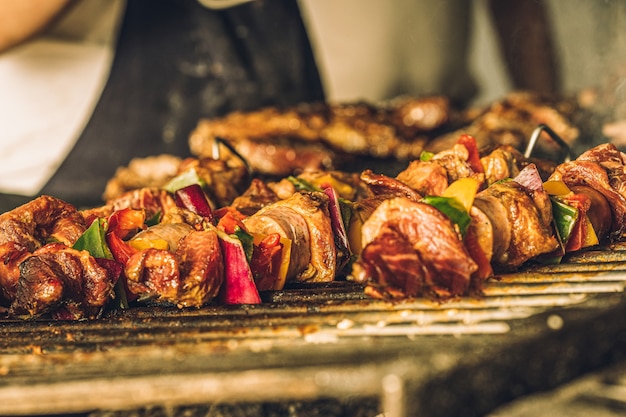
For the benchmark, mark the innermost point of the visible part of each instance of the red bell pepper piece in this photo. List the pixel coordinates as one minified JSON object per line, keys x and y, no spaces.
{"x":122,"y":252}
{"x":230,"y":220}
{"x":474,"y":156}
{"x":266,"y":261}
{"x":124,"y":221}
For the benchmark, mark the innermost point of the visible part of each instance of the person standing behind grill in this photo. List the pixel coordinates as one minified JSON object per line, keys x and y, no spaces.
{"x":83,"y":101}
{"x":378,"y":49}
{"x":592,"y":48}
{"x":88,"y":85}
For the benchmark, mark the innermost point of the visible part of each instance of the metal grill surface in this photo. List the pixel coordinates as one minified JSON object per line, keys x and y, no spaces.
{"x":310,"y":341}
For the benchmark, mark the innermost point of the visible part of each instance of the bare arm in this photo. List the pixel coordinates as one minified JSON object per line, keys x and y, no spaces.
{"x":21,"y":19}
{"x":526,"y":42}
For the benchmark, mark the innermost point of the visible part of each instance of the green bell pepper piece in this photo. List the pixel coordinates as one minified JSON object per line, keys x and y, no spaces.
{"x":452,"y":208}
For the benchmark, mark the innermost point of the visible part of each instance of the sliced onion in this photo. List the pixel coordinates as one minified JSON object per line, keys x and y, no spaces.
{"x":238,"y":286}
{"x":193,"y":198}
{"x":339,"y":229}
{"x":530,"y":178}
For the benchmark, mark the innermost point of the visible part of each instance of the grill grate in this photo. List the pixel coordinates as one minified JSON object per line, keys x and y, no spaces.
{"x":327,"y":335}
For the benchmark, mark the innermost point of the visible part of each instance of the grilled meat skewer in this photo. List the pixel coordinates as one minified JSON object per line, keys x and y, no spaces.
{"x":407,"y":247}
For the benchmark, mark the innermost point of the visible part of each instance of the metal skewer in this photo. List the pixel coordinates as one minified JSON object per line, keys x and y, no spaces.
{"x":216,"y":152}
{"x":537,"y":133}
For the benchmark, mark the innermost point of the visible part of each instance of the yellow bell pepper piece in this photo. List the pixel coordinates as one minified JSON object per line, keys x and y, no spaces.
{"x":285,"y":259}
{"x":556,"y":188}
{"x":464,"y":190}
{"x":591,"y":239}
{"x":141,"y":244}
{"x":344,"y":190}
{"x":355,"y":234}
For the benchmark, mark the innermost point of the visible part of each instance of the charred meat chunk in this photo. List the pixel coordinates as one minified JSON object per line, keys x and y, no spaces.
{"x":58,"y":277}
{"x":257,"y":196}
{"x":387,"y":187}
{"x":154,"y":201}
{"x":425,"y":177}
{"x":188,"y":277}
{"x":29,"y":227}
{"x":426,"y":243}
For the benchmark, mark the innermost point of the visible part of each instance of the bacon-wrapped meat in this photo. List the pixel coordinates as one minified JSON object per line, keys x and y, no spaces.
{"x":304,"y":219}
{"x":521,"y":224}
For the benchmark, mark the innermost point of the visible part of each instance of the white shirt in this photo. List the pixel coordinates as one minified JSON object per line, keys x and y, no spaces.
{"x":48,"y":90}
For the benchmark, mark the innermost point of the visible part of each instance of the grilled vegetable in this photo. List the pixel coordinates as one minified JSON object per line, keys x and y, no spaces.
{"x":451,"y":207}
{"x":94,"y":240}
{"x":238,"y":286}
{"x":340,"y":234}
{"x":270,"y":261}
{"x":193,"y":198}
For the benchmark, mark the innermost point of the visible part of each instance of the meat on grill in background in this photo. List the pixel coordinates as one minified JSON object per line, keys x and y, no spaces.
{"x":271,"y":138}
{"x":350,"y":136}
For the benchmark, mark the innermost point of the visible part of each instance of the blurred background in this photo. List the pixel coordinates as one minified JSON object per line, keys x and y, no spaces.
{"x":362,"y":45}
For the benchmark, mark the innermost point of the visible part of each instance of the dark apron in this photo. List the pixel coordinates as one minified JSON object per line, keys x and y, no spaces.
{"x":177,"y":62}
